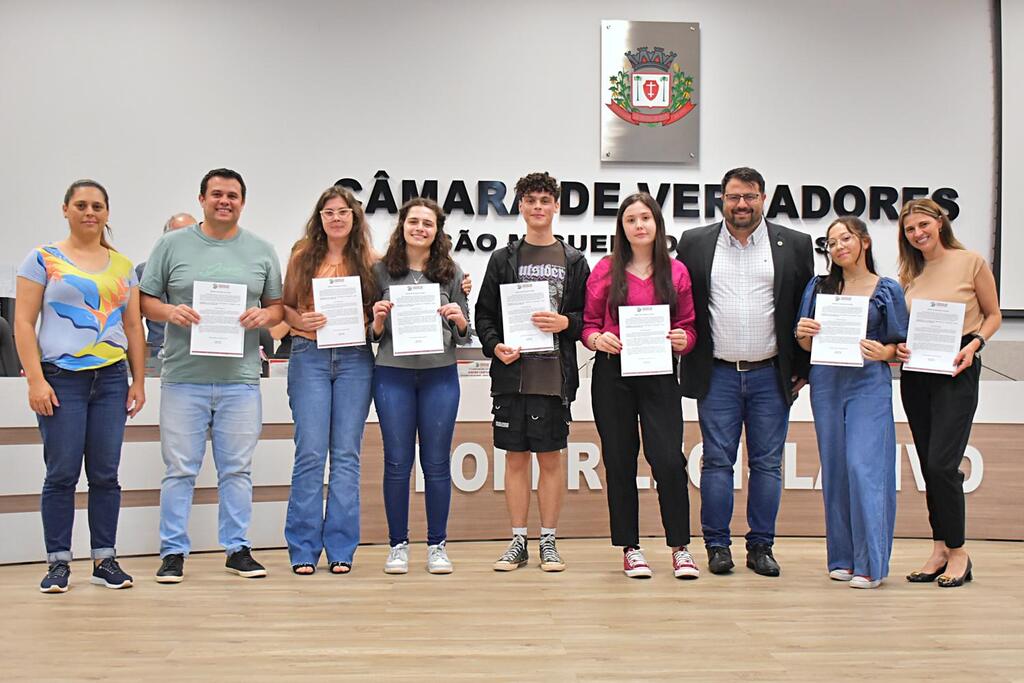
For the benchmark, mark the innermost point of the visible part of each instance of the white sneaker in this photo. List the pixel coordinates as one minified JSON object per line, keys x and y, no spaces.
{"x":398,"y":559}
{"x":864,"y":582}
{"x":437,"y":559}
{"x":840,"y":575}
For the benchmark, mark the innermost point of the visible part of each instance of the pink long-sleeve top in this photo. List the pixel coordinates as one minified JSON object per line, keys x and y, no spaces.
{"x":598,"y":318}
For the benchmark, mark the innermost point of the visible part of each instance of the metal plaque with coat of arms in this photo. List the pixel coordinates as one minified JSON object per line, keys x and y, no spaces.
{"x":649,"y":91}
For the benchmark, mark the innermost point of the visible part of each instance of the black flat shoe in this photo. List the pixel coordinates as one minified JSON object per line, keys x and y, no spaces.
{"x":946,"y":581}
{"x":341,"y":567}
{"x":304,"y":565}
{"x":761,"y":560}
{"x":925,"y":577}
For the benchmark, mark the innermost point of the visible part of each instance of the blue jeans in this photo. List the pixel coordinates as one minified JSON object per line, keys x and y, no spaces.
{"x":88,"y":424}
{"x":411,"y":402}
{"x":232,"y":414}
{"x":329,"y":393}
{"x":734,"y":400}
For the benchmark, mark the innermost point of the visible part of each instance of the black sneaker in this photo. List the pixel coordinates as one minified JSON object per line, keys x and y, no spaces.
{"x":761,"y":560}
{"x":242,"y":563}
{"x":514,"y":557}
{"x":56,"y":579}
{"x":550,"y":560}
{"x":109,"y":573}
{"x":172,"y":569}
{"x":720,"y":559}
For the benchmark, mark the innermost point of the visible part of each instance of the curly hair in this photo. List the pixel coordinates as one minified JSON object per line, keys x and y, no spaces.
{"x":440,"y":265}
{"x":537,"y":182}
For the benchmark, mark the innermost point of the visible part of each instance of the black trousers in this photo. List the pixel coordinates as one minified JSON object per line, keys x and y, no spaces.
{"x":940,"y":410}
{"x":620,"y":403}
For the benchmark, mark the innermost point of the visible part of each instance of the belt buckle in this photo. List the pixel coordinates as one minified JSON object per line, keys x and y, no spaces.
{"x":742,"y":366}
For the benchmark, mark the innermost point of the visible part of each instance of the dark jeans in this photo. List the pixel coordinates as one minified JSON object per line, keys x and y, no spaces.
{"x":940,"y":411}
{"x":619,"y":403}
{"x":735,"y":400}
{"x":411,"y":402}
{"x":88,"y":424}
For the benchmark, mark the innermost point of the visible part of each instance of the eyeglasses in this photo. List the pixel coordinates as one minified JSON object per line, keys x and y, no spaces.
{"x":735,"y":198}
{"x":331,"y":214}
{"x":845,"y":241}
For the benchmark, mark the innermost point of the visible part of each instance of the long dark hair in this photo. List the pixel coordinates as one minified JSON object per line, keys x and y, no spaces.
{"x":622,"y":254}
{"x":440,"y":266}
{"x":911,"y":260}
{"x":833,"y":283}
{"x":310,"y":251}
{"x":85,"y":182}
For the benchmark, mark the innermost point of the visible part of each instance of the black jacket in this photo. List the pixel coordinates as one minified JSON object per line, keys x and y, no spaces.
{"x":503,"y":268}
{"x":793,"y":258}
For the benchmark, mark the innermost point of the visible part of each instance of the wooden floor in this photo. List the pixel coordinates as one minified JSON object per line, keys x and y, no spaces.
{"x":588,"y":623}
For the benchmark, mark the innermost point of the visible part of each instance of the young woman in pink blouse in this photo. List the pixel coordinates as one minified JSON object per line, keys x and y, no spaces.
{"x":640,"y":272}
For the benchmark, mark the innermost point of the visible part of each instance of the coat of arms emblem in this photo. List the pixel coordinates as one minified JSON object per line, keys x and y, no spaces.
{"x":651,"y":89}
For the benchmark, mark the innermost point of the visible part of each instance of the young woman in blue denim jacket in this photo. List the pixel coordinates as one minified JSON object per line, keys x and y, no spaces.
{"x":328,"y":389}
{"x":418,"y":395}
{"x":88,"y":296}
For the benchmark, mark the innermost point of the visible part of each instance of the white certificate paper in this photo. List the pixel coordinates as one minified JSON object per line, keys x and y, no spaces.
{"x":219,"y":305}
{"x":415,"y":322}
{"x":341,"y":300}
{"x":934,"y":335}
{"x":519,"y":301}
{"x":646,"y":349}
{"x":844,"y":322}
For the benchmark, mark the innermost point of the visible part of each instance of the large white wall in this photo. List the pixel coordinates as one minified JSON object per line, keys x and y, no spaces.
{"x":147,"y":96}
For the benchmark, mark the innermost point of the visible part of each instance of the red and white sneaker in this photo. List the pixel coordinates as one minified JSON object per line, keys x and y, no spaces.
{"x":683,"y":565}
{"x":634,"y":564}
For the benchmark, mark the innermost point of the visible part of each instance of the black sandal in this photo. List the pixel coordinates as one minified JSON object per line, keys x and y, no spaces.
{"x":297,"y":567}
{"x":340,"y":567}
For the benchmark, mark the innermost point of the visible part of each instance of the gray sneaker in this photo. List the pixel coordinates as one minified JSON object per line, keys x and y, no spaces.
{"x":514,"y":557}
{"x":398,"y":559}
{"x":550,"y":560}
{"x":437,"y":559}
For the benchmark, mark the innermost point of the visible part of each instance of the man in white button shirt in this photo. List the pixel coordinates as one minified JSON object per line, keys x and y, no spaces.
{"x":748,"y":276}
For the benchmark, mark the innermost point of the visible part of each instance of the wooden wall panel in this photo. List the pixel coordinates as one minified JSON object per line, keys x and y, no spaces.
{"x":995,"y":508}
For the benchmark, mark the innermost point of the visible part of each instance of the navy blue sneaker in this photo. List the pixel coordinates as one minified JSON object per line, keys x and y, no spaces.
{"x":109,"y":573}
{"x":56,"y":579}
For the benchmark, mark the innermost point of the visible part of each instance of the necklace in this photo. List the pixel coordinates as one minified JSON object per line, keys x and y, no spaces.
{"x":416,"y":277}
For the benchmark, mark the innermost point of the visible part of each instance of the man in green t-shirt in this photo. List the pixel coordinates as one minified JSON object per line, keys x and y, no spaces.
{"x":215,"y":394}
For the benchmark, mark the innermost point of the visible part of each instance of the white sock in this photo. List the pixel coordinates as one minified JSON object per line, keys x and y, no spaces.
{"x":544,"y":531}
{"x":519,"y":531}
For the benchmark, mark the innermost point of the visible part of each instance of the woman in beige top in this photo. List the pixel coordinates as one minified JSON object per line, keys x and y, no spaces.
{"x":940,"y":408}
{"x":328,"y":388}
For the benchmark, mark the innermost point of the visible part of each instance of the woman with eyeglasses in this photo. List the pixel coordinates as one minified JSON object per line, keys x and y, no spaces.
{"x":88,"y":297}
{"x":852,"y":408}
{"x":328,"y":388}
{"x":934,"y":265}
{"x":417,"y":397}
{"x":640,"y":272}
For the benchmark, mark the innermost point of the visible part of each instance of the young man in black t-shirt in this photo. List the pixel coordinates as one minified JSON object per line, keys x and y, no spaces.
{"x":532,"y":391}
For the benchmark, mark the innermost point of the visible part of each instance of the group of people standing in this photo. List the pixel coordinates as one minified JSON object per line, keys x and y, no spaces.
{"x":741,"y":297}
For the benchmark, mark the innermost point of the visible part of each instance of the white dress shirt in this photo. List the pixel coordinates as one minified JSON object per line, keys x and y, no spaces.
{"x":741,"y":299}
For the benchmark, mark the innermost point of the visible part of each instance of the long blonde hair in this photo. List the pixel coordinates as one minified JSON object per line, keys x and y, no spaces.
{"x":911,"y":260}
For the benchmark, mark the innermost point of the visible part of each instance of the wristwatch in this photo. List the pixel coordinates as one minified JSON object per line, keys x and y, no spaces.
{"x":981,"y":341}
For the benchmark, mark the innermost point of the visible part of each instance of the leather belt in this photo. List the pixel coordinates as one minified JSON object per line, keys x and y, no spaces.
{"x":747,"y":365}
